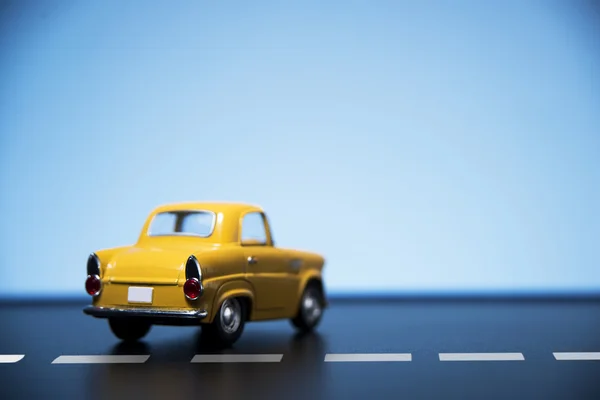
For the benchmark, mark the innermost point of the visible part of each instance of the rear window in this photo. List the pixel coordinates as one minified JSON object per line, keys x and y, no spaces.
{"x":186,"y":223}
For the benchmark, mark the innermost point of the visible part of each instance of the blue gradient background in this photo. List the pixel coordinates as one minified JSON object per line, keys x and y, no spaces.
{"x":420,"y":146}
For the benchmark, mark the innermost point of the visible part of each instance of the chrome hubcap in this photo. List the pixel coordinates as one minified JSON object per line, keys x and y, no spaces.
{"x":311,"y":307}
{"x":231,"y":315}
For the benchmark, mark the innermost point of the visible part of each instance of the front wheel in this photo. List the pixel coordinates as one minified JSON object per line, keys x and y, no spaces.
{"x":228,"y":324}
{"x":311,"y":308}
{"x":128,"y":329}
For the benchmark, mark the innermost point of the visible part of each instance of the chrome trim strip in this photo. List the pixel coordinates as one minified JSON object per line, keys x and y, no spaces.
{"x":104,"y":312}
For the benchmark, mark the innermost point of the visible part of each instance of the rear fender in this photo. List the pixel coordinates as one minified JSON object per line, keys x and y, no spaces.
{"x":237,"y":288}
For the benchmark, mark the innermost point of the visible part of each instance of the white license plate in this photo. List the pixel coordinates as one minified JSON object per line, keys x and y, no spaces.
{"x":140,"y":295}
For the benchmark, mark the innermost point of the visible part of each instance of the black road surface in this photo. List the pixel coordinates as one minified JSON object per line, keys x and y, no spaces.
{"x":524,"y":334}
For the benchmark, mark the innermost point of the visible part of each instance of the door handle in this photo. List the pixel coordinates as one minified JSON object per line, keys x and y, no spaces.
{"x":252,"y":260}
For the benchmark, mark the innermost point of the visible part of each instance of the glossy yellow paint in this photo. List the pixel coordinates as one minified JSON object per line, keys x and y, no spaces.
{"x":273,"y":286}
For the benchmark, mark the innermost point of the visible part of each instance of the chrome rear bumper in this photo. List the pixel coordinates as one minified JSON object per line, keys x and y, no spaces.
{"x":140,"y":312}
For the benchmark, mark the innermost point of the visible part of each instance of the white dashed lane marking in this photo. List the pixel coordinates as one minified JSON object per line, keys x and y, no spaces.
{"x":10,"y":358}
{"x":481,"y":357}
{"x":330,"y":357}
{"x":112,"y":359}
{"x":577,"y":356}
{"x":236,"y":358}
{"x":368,"y":357}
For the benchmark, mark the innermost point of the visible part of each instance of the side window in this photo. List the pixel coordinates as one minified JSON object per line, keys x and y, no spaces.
{"x":253,"y":228}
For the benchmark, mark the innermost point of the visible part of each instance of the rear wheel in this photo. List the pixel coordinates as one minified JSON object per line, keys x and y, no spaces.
{"x":128,"y":329}
{"x":310,"y":310}
{"x":228,"y":324}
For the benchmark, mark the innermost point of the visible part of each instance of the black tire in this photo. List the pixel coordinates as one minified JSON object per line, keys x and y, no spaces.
{"x":228,"y":324}
{"x":310,"y":309}
{"x":129,"y":329}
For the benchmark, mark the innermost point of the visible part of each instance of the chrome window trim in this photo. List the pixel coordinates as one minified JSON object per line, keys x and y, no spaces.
{"x":175,"y":234}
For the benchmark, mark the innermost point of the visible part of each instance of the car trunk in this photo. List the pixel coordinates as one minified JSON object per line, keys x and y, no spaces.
{"x":147,"y":265}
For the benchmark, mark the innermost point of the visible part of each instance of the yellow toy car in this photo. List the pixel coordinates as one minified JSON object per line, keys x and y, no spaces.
{"x":208,"y":264}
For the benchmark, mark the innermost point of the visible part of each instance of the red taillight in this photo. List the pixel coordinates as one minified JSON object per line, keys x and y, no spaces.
{"x":192,"y":288}
{"x":92,"y":285}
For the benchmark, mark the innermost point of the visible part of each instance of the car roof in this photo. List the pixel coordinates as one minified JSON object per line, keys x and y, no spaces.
{"x":215,"y":206}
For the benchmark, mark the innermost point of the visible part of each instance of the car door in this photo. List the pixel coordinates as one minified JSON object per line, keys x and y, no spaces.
{"x":267,"y":267}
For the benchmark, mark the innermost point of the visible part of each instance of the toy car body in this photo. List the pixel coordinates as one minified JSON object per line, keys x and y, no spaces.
{"x":211,"y":264}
